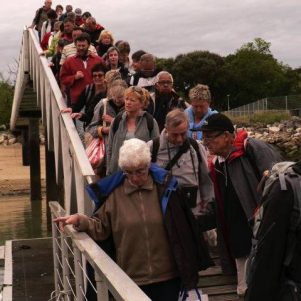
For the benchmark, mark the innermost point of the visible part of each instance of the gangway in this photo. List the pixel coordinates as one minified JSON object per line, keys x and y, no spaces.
{"x":68,"y":171}
{"x":38,"y":96}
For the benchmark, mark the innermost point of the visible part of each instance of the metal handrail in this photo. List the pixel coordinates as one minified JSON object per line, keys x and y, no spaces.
{"x":68,"y":262}
{"x":73,"y":169}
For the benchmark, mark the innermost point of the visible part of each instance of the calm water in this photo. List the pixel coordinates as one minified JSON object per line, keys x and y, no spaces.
{"x":21,"y":218}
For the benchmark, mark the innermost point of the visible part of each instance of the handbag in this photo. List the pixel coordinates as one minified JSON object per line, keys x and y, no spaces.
{"x":95,"y":151}
{"x":96,"y":148}
{"x":192,"y":295}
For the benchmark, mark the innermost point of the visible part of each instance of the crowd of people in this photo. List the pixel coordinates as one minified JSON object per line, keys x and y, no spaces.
{"x":170,"y":169}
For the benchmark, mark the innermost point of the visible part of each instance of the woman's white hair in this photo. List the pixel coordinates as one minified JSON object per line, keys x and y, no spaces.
{"x":133,"y":153}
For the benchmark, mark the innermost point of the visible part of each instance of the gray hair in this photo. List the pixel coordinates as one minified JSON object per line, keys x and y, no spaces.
{"x":175,"y":117}
{"x":163,"y":73}
{"x":147,"y":57}
{"x":117,"y":90}
{"x":200,"y":92}
{"x":134,"y":153}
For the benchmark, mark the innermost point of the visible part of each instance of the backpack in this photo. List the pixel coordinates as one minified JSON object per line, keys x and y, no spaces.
{"x":149,"y":121}
{"x":289,"y":176}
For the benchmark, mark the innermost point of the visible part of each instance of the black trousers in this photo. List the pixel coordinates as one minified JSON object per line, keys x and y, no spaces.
{"x":163,"y":291}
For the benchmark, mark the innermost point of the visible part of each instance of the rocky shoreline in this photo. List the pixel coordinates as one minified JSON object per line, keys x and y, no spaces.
{"x":285,"y":135}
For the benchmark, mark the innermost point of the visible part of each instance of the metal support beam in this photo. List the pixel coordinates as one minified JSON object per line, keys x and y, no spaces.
{"x":35,"y":166}
{"x":51,"y":184}
{"x":25,"y":147}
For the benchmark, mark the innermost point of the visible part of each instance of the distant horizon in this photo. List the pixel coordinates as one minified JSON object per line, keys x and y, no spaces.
{"x":169,"y":28}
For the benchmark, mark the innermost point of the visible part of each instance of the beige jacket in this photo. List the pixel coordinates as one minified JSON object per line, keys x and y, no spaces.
{"x":133,"y":216}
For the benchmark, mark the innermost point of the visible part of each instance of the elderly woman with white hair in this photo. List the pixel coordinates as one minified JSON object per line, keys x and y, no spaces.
{"x":199,"y":111}
{"x":153,"y":231}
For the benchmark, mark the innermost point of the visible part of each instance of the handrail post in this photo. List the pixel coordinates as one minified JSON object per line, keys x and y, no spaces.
{"x":102,"y":289}
{"x":66,"y":271}
{"x":26,"y":51}
{"x":79,"y":280}
{"x":55,"y":253}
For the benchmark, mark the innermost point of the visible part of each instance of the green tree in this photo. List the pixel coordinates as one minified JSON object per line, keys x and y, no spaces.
{"x":196,"y":67}
{"x":6,"y":99}
{"x":254,"y":73}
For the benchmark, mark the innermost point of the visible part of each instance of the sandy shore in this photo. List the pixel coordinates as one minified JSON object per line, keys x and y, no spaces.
{"x":14,"y":177}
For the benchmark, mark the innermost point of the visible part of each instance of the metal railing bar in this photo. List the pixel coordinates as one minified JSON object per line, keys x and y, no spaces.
{"x":69,"y":266}
{"x":58,"y":245}
{"x":59,"y":277}
{"x":70,"y":286}
{"x":83,"y":293}
{"x":81,"y":157}
{"x":59,"y":260}
{"x":87,"y":277}
{"x":118,"y":283}
{"x":68,"y":246}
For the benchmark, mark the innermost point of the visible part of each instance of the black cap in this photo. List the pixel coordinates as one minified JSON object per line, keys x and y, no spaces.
{"x":218,"y":123}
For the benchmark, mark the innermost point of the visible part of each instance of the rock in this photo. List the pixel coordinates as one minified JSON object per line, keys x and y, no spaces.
{"x":3,"y":127}
{"x":292,"y":153}
{"x":274,"y":129}
{"x":2,"y":139}
{"x":258,"y":136}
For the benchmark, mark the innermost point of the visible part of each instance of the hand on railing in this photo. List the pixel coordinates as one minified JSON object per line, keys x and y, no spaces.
{"x":107,"y":118}
{"x":77,"y":115}
{"x":67,"y":110}
{"x":62,"y":221}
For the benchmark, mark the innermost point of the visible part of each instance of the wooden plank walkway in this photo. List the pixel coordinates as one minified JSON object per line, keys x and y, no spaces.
{"x":32,"y":269}
{"x":219,"y":287}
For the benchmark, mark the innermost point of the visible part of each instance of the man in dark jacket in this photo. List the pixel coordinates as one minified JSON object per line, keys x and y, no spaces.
{"x":164,"y":99}
{"x":274,"y":269}
{"x":235,"y":171}
{"x":93,"y":29}
{"x":41,"y":16}
{"x":146,"y":76}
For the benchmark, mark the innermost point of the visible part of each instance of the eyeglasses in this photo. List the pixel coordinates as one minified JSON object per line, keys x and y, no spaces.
{"x":137,"y":172}
{"x":165,"y":82}
{"x":136,"y":89}
{"x":98,"y":75}
{"x":211,"y":137}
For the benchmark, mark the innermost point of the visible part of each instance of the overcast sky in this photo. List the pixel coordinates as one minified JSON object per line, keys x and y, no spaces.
{"x":170,"y":27}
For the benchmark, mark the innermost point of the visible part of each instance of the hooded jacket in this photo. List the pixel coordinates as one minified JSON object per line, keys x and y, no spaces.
{"x":245,"y":166}
{"x":194,"y":128}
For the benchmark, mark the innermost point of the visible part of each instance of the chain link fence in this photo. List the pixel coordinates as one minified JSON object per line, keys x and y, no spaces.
{"x":289,"y":103}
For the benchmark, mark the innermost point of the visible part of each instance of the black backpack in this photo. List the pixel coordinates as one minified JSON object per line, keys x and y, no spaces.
{"x":289,"y":176}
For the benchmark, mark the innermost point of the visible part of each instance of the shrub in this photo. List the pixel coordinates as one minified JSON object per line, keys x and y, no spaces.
{"x":6,"y":100}
{"x":264,"y":117}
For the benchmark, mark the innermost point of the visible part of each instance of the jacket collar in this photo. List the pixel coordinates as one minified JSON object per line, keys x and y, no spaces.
{"x":129,"y":188}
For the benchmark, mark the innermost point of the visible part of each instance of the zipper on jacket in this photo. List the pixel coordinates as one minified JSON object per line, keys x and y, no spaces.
{"x":146,"y":234}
